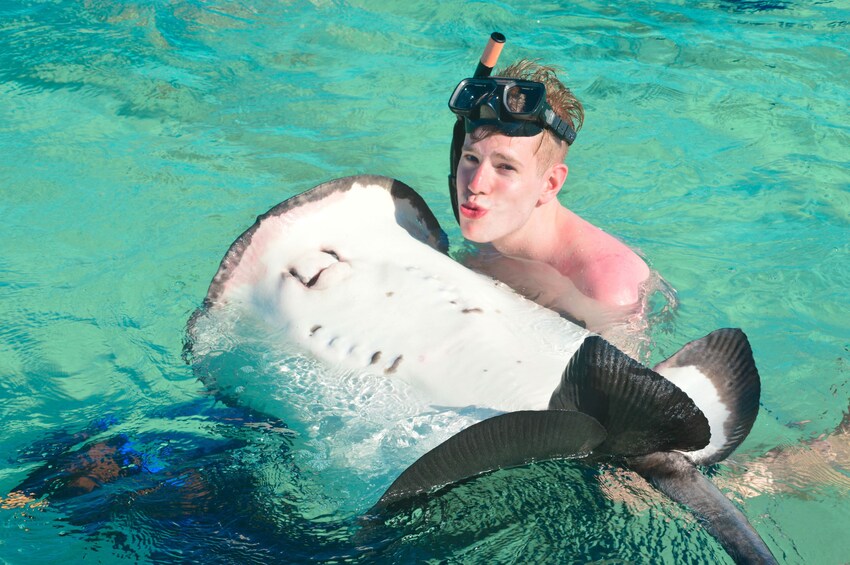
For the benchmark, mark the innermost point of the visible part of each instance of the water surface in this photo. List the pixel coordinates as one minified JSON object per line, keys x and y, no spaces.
{"x":140,"y":138}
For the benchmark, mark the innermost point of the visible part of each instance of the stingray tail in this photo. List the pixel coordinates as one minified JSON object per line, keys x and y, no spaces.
{"x":677,"y":477}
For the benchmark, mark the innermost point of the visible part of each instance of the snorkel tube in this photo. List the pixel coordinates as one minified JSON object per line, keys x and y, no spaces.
{"x":490,"y":55}
{"x":485,"y":67}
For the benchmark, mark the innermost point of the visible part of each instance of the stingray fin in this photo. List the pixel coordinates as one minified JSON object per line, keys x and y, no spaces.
{"x":677,"y":477}
{"x":411,"y":213}
{"x":724,"y":359}
{"x":507,"y":440}
{"x":642,"y":411}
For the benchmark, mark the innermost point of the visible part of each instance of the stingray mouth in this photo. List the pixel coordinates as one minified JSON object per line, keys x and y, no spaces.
{"x":319,"y":270}
{"x":309,"y":283}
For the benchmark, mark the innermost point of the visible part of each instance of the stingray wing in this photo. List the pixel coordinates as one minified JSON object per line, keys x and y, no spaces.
{"x":297,"y":243}
{"x":642,"y":411}
{"x":507,"y":440}
{"x":410,"y":212}
{"x":719,"y":373}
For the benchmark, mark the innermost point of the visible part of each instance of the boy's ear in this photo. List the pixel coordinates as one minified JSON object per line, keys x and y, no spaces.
{"x":553,"y":180}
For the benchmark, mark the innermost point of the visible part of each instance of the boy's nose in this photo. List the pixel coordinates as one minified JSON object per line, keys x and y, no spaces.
{"x":480,"y":181}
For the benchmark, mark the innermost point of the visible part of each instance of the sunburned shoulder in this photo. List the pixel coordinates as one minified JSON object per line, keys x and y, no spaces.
{"x":606,"y":269}
{"x":616,"y":279}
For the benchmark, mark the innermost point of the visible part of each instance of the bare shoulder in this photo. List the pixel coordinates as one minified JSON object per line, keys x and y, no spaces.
{"x":616,"y":278}
{"x":606,"y":269}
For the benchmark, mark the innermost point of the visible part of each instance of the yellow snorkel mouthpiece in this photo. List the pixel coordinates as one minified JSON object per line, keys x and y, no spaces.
{"x":490,"y":55}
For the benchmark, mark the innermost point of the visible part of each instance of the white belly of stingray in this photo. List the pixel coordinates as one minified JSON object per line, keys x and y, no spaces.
{"x":340,"y":313}
{"x":412,"y":313}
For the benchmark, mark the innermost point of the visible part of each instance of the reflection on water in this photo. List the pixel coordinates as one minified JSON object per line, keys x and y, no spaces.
{"x":811,"y":469}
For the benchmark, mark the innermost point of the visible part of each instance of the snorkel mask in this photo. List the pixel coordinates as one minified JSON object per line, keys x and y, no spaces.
{"x":513,"y":107}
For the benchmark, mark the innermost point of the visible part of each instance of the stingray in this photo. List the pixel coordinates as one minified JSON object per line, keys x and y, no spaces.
{"x":356,"y":273}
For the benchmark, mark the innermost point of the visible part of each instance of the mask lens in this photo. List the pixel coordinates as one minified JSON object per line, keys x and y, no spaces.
{"x":470,"y":95}
{"x":523,"y":100}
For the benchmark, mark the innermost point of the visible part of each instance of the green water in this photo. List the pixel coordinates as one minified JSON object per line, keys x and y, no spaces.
{"x":138,"y":139}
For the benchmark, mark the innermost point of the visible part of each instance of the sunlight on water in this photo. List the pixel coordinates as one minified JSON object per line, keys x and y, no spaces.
{"x":140,"y":138}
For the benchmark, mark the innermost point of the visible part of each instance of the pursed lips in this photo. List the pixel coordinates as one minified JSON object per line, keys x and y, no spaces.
{"x":472,"y":210}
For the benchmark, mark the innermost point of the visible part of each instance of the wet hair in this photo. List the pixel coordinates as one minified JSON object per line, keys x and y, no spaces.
{"x":560,"y":98}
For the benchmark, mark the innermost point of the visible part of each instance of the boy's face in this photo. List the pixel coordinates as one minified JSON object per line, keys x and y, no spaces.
{"x":498,"y":186}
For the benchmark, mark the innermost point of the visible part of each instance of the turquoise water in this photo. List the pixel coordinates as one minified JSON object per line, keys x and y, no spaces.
{"x":138,"y":139}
